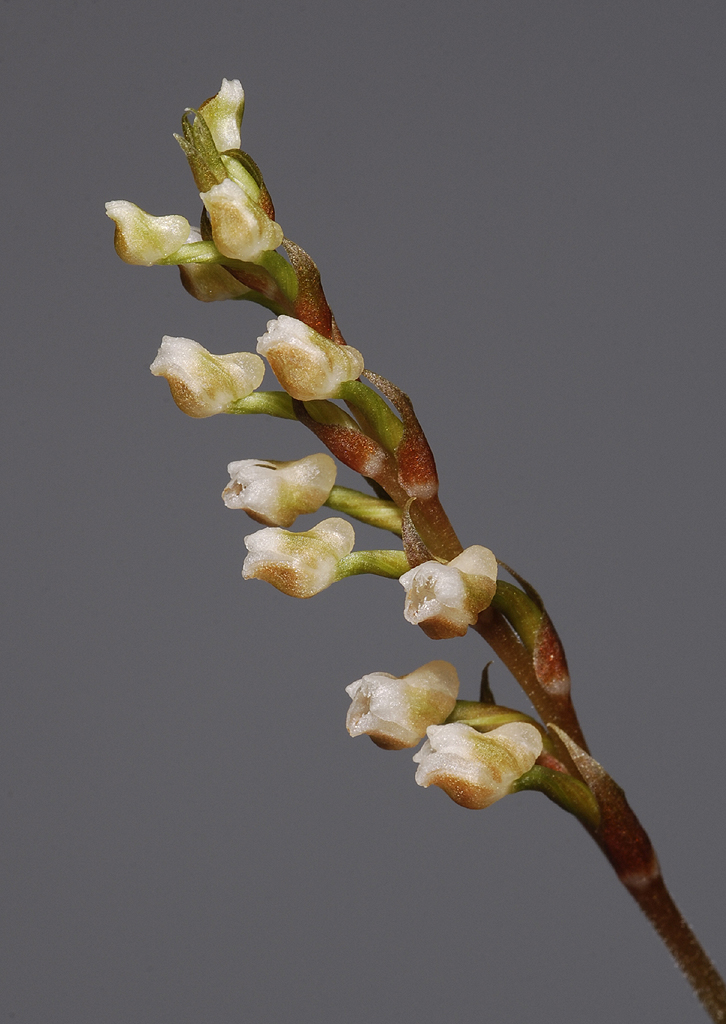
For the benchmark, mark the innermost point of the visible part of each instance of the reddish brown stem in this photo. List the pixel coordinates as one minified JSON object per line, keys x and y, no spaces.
{"x":627,"y":846}
{"x":500,"y":636}
{"x":435,"y":529}
{"x":657,"y":904}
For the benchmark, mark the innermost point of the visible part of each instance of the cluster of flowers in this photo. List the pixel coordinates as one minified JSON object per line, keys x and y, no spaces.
{"x":474,"y":768}
{"x":444,"y":595}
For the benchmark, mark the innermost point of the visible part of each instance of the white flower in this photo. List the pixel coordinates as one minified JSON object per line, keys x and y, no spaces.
{"x":446,"y":599}
{"x":476,"y":769}
{"x":307,"y":365}
{"x":276,"y":493}
{"x":298,"y":564}
{"x":240,"y":227}
{"x":396,"y":711}
{"x":142,"y":239}
{"x":202,"y":384}
{"x":223,"y":114}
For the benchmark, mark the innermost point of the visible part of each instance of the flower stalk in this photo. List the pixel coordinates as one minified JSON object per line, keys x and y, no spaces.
{"x":476,"y":751}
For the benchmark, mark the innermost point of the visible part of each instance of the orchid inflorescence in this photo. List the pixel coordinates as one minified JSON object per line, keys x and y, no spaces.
{"x":476,"y":751}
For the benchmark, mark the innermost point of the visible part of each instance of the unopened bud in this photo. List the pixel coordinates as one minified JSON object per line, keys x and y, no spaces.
{"x":446,"y":599}
{"x":477,"y":769}
{"x":307,"y":365}
{"x":298,"y":564}
{"x":209,"y":282}
{"x":276,"y":493}
{"x":396,"y":711}
{"x":240,"y":228}
{"x":223,"y":114}
{"x":202,"y":384}
{"x":142,"y":239}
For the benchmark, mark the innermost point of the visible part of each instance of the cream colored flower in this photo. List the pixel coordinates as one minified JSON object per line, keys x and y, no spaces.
{"x":477,"y":769}
{"x":202,"y":384}
{"x":223,"y":114}
{"x":298,"y":564}
{"x":307,"y":365}
{"x":240,"y":227}
{"x":396,"y":711}
{"x":276,"y":493}
{"x":446,"y":599}
{"x":142,"y":239}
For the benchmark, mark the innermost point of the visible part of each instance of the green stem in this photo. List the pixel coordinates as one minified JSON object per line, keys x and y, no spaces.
{"x":366,"y":508}
{"x":279,"y":403}
{"x":278,"y":267}
{"x":197,"y":252}
{"x":391,"y":564}
{"x":270,"y":403}
{"x":566,"y":791}
{"x":376,"y":418}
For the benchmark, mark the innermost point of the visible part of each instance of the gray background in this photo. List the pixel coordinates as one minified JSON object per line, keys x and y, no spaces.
{"x":517,"y":209}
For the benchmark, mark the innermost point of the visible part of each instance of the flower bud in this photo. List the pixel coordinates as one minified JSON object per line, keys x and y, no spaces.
{"x":298,"y":564}
{"x":444,"y":600}
{"x":142,"y":239}
{"x":223,"y":114}
{"x":307,"y":365}
{"x":202,"y":384}
{"x":240,"y":228}
{"x":477,"y":769}
{"x":396,"y":711}
{"x":209,"y":282}
{"x":276,"y":493}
